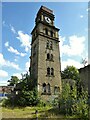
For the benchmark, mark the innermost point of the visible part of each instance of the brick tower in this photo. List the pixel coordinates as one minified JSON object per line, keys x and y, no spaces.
{"x":45,"y":64}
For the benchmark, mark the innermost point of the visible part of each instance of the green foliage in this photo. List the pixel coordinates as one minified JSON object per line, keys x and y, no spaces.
{"x":28,"y":98}
{"x":24,"y":98}
{"x":7,"y":102}
{"x":28,"y":95}
{"x":41,"y":103}
{"x":70,"y":72}
{"x":71,"y":105}
{"x":27,"y":92}
{"x":13,"y":80}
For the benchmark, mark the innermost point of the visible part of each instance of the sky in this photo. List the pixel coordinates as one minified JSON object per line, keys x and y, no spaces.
{"x":18,"y":20}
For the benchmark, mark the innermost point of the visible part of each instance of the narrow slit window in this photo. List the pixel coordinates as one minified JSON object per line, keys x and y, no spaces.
{"x":44,"y":87}
{"x":48,"y":71}
{"x":52,"y":71}
{"x":46,"y":31}
{"x":48,"y":88}
{"x":51,"y":46}
{"x":48,"y":56}
{"x":51,"y":33}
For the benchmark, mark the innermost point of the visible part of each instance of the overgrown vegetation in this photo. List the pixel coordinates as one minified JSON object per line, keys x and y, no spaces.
{"x":72,"y":101}
{"x":26,"y":93}
{"x":71,"y":104}
{"x":70,"y":72}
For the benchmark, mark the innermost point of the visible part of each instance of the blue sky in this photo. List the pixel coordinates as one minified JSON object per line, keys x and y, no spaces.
{"x":18,"y":20}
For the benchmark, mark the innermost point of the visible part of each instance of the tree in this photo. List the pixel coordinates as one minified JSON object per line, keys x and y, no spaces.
{"x":27,"y":92}
{"x":27,"y":98}
{"x":70,"y":105}
{"x":70,"y":72}
{"x":14,"y":80}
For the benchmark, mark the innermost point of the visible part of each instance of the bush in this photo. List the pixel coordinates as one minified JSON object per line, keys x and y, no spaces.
{"x":28,"y":98}
{"x":42,"y":103}
{"x":70,"y":104}
{"x":24,"y":98}
{"x":7,"y":102}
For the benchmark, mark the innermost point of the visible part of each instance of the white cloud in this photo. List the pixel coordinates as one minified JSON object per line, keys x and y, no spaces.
{"x":81,"y":16}
{"x":7,"y":63}
{"x":3,"y":74}
{"x":6,"y":44}
{"x":13,"y":65}
{"x":70,"y":62}
{"x":3,"y":83}
{"x":27,"y":65}
{"x":13,"y":29}
{"x":61,"y":43}
{"x":15,"y":59}
{"x":18,"y":75}
{"x":25,"y":40}
{"x":22,"y":54}
{"x":13,"y":50}
{"x":75,"y":46}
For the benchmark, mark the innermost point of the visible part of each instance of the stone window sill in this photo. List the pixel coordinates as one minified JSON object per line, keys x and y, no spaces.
{"x":49,"y":60}
{"x":50,"y":76}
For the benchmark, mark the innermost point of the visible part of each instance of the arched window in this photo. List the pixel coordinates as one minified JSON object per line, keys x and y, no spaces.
{"x":51,"y":45}
{"x":47,"y":44}
{"x":46,"y":31}
{"x":55,"y":90}
{"x":48,"y":88}
{"x":48,"y":56}
{"x":51,"y":56}
{"x":52,"y":71}
{"x":48,"y":71}
{"x":44,"y":87}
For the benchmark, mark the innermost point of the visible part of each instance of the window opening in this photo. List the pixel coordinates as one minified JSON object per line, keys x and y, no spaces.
{"x":48,"y":56}
{"x":52,"y":71}
{"x":48,"y":71}
{"x":44,"y":87}
{"x":51,"y":33}
{"x":51,"y":45}
{"x":48,"y":88}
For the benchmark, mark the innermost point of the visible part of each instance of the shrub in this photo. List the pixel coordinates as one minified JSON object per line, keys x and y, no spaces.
{"x":24,"y":98}
{"x":70,"y":104}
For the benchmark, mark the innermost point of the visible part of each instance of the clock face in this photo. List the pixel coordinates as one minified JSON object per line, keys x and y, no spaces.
{"x":47,"y":19}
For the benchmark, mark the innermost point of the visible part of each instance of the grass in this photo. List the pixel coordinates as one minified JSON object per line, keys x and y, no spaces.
{"x":29,"y":112}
